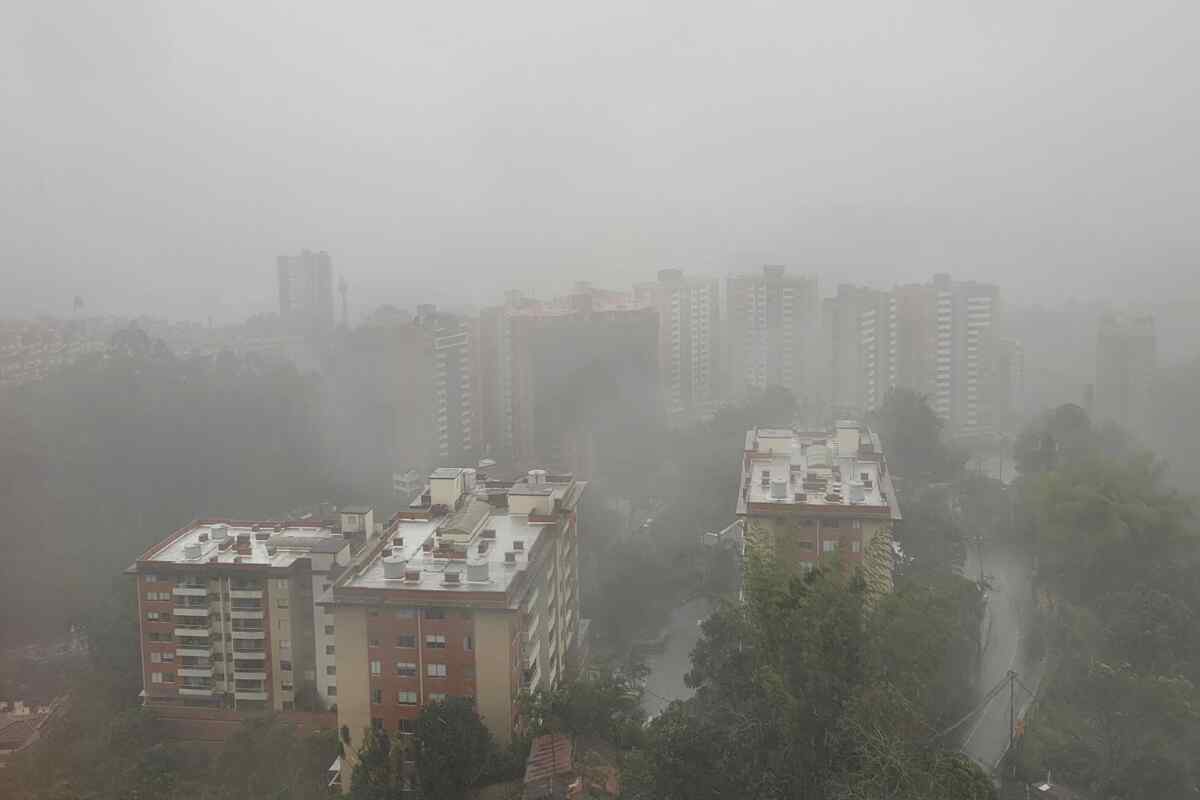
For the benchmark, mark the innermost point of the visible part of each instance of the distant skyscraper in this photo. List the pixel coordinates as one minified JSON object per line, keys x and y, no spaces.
{"x":689,"y":354}
{"x":306,"y":288}
{"x":1125,"y":363}
{"x":937,"y":339}
{"x":561,"y":377}
{"x":773,"y":333}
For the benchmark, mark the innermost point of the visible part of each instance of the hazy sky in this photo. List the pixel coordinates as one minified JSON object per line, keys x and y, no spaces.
{"x":156,"y":156}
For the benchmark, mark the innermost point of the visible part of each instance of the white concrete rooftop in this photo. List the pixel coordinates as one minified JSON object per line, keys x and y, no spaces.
{"x":843,"y":467}
{"x":272,"y":545}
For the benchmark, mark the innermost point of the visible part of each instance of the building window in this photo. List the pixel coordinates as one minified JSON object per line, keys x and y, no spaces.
{"x":286,"y":666}
{"x":377,"y":696}
{"x":406,"y":698}
{"x":407,"y":726}
{"x":437,"y":697}
{"x":282,"y":602}
{"x":331,"y":670}
{"x":405,"y":613}
{"x":168,"y":658}
{"x":376,"y":667}
{"x":151,"y":595}
{"x":373,"y":612}
{"x":168,"y":677}
{"x":329,"y":630}
{"x":856,"y":524}
{"x":435,"y":613}
{"x":806,"y":544}
{"x":437,"y":640}
{"x":331,"y":691}
{"x":435,"y":670}
{"x":289,"y":705}
{"x":373,"y":642}
{"x":831,"y":523}
{"x":330,"y":650}
{"x":285,"y":644}
{"x":156,"y":658}
{"x":856,"y":546}
{"x":287,"y":687}
{"x":469,"y":672}
{"x":406,"y":669}
{"x":325,"y":587}
{"x":150,"y":578}
{"x":156,"y":677}
{"x":468,"y":643}
{"x":152,"y":616}
{"x":829,"y":545}
{"x":377,"y":723}
{"x":406,"y":640}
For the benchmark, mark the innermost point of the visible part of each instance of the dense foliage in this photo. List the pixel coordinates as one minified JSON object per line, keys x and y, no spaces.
{"x":114,"y":452}
{"x":1117,"y":554}
{"x":801,"y":692}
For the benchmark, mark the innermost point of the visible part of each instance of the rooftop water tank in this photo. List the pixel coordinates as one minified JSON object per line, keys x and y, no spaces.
{"x":393,"y":567}
{"x":477,"y":571}
{"x":219,"y":532}
{"x":191,"y":551}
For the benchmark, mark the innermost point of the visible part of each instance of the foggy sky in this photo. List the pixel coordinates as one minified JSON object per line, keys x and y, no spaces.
{"x":157,"y":156}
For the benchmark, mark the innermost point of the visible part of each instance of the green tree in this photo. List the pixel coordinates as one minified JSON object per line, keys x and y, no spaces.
{"x":453,"y":748}
{"x":913,"y":438}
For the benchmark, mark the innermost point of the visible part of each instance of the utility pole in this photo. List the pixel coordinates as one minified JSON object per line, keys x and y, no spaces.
{"x":1012,"y":709}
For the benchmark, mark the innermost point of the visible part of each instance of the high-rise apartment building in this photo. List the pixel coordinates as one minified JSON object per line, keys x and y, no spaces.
{"x":938,"y":339}
{"x":228,"y":617}
{"x":306,"y":288}
{"x":807,"y":498}
{"x":859,"y":371}
{"x":454,"y":357}
{"x":562,"y":376}
{"x":773,"y":334}
{"x":689,"y":352}
{"x":471,"y":592}
{"x":1125,"y":363}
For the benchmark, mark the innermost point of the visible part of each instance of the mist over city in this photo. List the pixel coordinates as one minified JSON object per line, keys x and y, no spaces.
{"x":647,"y":401}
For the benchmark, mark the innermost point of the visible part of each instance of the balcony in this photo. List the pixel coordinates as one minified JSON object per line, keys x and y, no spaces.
{"x":249,"y":695}
{"x":249,"y":635}
{"x":191,"y":691}
{"x":250,"y":654}
{"x":184,"y":651}
{"x":196,"y":672}
{"x":190,"y":591}
{"x":245,"y":594}
{"x":245,"y":614}
{"x":240,"y":675}
{"x":191,"y":611}
{"x":190,"y":631}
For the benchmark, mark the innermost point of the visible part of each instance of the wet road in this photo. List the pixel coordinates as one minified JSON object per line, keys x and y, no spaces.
{"x":667,"y":668}
{"x":1005,"y":625}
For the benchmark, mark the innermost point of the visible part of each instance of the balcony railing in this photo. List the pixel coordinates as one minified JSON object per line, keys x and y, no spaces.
{"x":193,"y":650}
{"x":196,"y":672}
{"x":237,"y":613}
{"x":191,"y":611}
{"x":245,"y":594}
{"x":249,"y":635}
{"x":248,"y":652}
{"x":190,"y":591}
{"x":186,"y":631}
{"x":249,"y":695}
{"x":241,"y":674}
{"x":195,"y":692}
